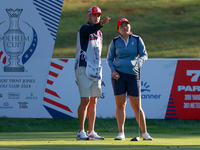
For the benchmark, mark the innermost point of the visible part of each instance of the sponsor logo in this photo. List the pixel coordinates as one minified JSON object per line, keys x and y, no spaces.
{"x":23,"y":105}
{"x":6,"y":105}
{"x":146,"y":93}
{"x":31,"y":97}
{"x":13,"y":95}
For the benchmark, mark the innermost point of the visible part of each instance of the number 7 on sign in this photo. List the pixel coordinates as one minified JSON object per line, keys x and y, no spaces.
{"x":195,"y":73}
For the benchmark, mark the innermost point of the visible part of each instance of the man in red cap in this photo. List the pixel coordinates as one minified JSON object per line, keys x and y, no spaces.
{"x":88,"y":71}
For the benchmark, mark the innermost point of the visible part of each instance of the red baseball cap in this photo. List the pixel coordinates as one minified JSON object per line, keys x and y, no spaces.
{"x":122,"y":20}
{"x":94,"y":10}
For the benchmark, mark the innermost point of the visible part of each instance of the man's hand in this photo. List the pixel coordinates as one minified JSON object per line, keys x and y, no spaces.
{"x":105,"y":21}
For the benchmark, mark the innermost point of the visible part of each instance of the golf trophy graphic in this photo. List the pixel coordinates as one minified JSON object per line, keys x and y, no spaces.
{"x":14,"y":41}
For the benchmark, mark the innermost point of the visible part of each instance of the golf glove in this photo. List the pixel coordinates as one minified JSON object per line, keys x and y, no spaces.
{"x":139,"y":62}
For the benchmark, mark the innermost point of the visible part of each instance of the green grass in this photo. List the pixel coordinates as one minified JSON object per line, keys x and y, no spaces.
{"x":102,"y":125}
{"x":43,"y":134}
{"x":169,"y":28}
{"x":66,"y":140}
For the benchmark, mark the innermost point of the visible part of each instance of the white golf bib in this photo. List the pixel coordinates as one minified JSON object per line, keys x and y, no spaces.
{"x":93,"y":57}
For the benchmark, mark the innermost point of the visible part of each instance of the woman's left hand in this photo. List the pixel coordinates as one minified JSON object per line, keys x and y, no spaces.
{"x":115,"y":75}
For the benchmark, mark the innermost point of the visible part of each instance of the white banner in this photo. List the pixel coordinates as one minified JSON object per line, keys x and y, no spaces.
{"x":28,"y":31}
{"x":167,"y":90}
{"x":61,"y":98}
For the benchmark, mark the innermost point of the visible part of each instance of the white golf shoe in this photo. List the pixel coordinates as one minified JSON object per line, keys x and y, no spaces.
{"x":82,"y":135}
{"x":94,"y":136}
{"x":121,"y":136}
{"x":146,"y":136}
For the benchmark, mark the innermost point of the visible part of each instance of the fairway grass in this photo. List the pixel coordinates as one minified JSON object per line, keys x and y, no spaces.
{"x":169,"y":28}
{"x":67,"y":140}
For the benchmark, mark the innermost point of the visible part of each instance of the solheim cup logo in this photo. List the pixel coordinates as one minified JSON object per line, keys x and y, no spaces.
{"x":14,"y":41}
